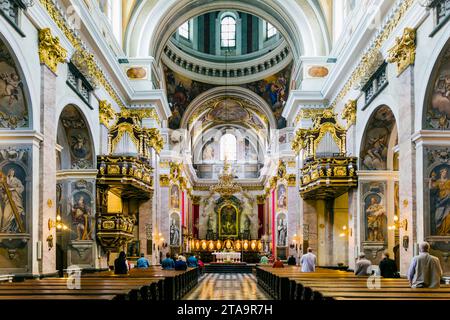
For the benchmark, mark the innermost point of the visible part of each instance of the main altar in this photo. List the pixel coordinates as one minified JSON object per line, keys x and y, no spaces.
{"x":227,"y":257}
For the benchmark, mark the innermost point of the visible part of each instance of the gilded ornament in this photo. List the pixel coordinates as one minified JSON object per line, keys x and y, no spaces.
{"x":164,"y":180}
{"x":106,"y":112}
{"x":403,"y":53}
{"x":51,"y":53}
{"x":349,"y":113}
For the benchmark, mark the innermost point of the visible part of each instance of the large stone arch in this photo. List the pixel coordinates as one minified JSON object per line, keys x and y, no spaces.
{"x":75,"y":138}
{"x":377,"y":135}
{"x":16,"y":111}
{"x":435,"y":114}
{"x":152,"y":25}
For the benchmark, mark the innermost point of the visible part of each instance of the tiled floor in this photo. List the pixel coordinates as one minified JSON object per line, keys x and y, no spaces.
{"x":227,"y":286}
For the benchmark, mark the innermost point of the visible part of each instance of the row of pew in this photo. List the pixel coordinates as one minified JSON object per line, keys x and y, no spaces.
{"x":291,"y":284}
{"x":152,"y":284}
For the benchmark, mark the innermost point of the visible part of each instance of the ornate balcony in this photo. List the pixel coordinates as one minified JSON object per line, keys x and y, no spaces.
{"x":125,"y":173}
{"x":327,"y":173}
{"x":114,"y":230}
{"x":326,"y":178}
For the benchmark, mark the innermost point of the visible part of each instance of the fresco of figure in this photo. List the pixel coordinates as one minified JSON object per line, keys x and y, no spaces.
{"x":81,"y":215}
{"x":376,"y":220}
{"x":440,"y":189}
{"x":11,"y":202}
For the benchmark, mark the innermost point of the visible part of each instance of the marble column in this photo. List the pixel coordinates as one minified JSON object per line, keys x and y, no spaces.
{"x":353,"y":230}
{"x":47,"y":171}
{"x":145,"y":222}
{"x":310,"y":226}
{"x":404,"y":87}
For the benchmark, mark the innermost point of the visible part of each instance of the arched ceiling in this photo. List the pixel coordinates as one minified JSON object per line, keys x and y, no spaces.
{"x":302,"y":23}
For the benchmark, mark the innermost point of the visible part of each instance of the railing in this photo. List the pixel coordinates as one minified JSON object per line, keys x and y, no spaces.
{"x":230,"y":70}
{"x":114,"y":229}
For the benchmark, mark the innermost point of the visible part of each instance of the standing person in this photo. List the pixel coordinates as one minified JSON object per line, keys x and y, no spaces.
{"x":308,"y":261}
{"x":278,"y":264}
{"x":363,"y":266}
{"x":142,"y":262}
{"x":121,"y":264}
{"x":168,"y":263}
{"x":180,"y":265}
{"x":291,"y":260}
{"x":388,"y":268}
{"x":425,"y":270}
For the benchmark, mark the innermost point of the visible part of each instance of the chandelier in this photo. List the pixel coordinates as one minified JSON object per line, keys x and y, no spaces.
{"x":226,"y":186}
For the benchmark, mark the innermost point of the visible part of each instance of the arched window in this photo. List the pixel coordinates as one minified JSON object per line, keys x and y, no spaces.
{"x":270,"y":30}
{"x":228,"y":147}
{"x":183,"y":30}
{"x":228,"y":32}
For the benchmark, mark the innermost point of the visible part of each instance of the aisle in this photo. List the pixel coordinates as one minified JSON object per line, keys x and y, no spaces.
{"x":227,"y":286}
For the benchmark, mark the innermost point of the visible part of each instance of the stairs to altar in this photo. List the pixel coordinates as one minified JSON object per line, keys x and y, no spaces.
{"x":228,"y":268}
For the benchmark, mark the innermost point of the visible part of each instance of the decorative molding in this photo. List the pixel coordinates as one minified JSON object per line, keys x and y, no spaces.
{"x":292,"y":180}
{"x":309,"y":113}
{"x":370,"y":64}
{"x":51,"y":53}
{"x":56,"y":14}
{"x":261,"y":199}
{"x":403,"y":53}
{"x":384,"y":34}
{"x":349,"y":112}
{"x":164,"y":180}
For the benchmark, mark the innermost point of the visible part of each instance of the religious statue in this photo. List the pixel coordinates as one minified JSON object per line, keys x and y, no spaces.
{"x":174,"y":233}
{"x":208,"y":152}
{"x":12,"y":191}
{"x":441,"y":188}
{"x":81,"y":219}
{"x":376,"y":220}
{"x":282,"y":232}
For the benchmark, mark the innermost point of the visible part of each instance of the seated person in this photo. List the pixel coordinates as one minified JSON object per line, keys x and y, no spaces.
{"x":363,"y":266}
{"x":142,"y":262}
{"x":180,"y":265}
{"x":192,"y":262}
{"x":278,"y":264}
{"x":388,"y":268}
{"x":168,"y":263}
{"x":291,"y":260}
{"x":121,"y":264}
{"x":264,"y":260}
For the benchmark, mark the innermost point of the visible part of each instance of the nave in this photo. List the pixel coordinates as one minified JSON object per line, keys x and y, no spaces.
{"x":227,"y":286}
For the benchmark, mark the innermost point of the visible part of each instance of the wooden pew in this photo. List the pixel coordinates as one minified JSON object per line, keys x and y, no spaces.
{"x":291,"y":284}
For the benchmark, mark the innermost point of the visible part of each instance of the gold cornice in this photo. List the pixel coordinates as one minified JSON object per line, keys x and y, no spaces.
{"x":196,"y":200}
{"x":106,"y":112}
{"x":51,"y":53}
{"x":349,"y":112}
{"x":385,"y":33}
{"x":308,"y":113}
{"x":403,"y":53}
{"x":141,"y":113}
{"x":261,"y":199}
{"x":56,"y":15}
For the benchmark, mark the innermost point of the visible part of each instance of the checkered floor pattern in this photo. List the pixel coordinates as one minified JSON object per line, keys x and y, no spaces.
{"x":227,"y":286}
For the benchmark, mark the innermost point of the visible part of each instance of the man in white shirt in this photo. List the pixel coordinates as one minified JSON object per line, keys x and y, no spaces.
{"x":425,"y":270}
{"x":308,"y":261}
{"x":363,"y":266}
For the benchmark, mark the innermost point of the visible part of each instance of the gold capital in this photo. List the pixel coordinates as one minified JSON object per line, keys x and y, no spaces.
{"x":349,"y":113}
{"x":403,"y":53}
{"x":50,"y":51}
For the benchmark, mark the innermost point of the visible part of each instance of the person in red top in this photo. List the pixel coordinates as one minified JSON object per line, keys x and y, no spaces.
{"x":201,"y":265}
{"x":278,"y":264}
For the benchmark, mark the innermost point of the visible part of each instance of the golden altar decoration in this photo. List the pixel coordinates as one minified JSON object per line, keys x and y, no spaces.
{"x":226,"y":186}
